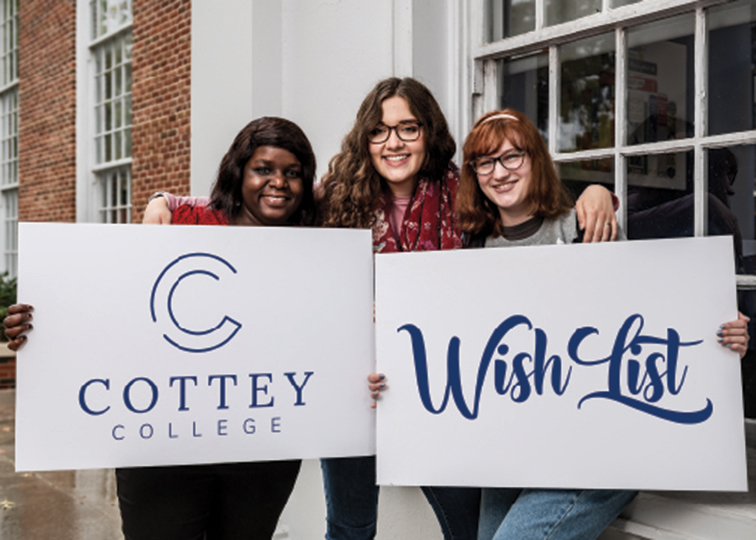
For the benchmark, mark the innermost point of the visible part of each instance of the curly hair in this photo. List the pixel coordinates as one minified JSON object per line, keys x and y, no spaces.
{"x":547,"y":194}
{"x":350,"y":189}
{"x":226,"y":194}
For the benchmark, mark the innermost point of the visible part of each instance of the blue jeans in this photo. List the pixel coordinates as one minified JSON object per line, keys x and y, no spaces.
{"x":553,"y":514}
{"x":352,"y":502}
{"x":351,"y":497}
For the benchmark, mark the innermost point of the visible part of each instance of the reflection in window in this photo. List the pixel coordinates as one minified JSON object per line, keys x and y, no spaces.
{"x":587,"y":97}
{"x":525,"y":87}
{"x":732,"y":66}
{"x":578,"y":175}
{"x":510,"y":18}
{"x":731,"y":174}
{"x":660,"y":196}
{"x":660,"y":81}
{"x":559,"y":11}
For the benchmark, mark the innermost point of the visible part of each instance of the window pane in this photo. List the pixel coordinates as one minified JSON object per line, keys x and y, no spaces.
{"x":732,"y":41}
{"x":525,"y":87}
{"x":10,"y":203}
{"x":731,"y":174}
{"x":108,"y":116}
{"x":732,"y":183}
{"x":509,"y":18}
{"x":118,"y":113}
{"x":618,"y":3}
{"x":660,"y":195}
{"x":117,"y":145}
{"x":115,"y":187}
{"x":578,"y":175}
{"x":587,"y":94}
{"x":559,"y":11}
{"x":660,"y":81}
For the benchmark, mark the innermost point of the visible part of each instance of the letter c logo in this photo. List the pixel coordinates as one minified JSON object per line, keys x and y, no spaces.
{"x":169,"y":280}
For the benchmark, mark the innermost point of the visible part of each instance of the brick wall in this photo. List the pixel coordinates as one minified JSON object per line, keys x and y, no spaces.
{"x":47,"y":110}
{"x":7,"y":373}
{"x":161,"y":99}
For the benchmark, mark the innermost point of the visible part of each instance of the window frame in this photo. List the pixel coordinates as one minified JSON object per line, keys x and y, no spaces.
{"x":618,"y":20}
{"x":9,"y":137}
{"x":93,"y":187}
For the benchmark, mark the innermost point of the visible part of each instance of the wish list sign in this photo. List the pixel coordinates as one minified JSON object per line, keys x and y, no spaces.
{"x":584,"y":366}
{"x":175,"y":345}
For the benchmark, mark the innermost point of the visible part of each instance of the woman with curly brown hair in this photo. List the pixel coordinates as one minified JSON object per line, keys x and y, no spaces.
{"x":394,"y":174}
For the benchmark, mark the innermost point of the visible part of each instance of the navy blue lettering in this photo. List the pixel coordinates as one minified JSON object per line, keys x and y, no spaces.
{"x":651,"y":385}
{"x":116,"y":437}
{"x":298,"y":388}
{"x":83,"y":401}
{"x":249,"y":426}
{"x":182,"y":389}
{"x":256,"y":389}
{"x":517,"y":381}
{"x":142,"y":430}
{"x":194,"y":430}
{"x":222,"y":379}
{"x":171,"y":435}
{"x":275,"y":424}
{"x":222,"y":427}
{"x":127,"y":395}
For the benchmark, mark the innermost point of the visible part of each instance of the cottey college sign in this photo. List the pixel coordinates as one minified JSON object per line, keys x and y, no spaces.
{"x":169,"y":345}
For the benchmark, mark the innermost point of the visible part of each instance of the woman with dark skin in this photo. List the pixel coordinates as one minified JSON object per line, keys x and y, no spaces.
{"x":265,"y":179}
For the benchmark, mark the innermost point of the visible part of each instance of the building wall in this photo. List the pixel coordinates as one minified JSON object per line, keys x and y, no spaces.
{"x":161,"y":97}
{"x":47,"y":110}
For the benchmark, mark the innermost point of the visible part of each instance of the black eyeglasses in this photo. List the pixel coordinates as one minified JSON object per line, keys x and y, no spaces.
{"x":486,"y":165}
{"x":406,"y":131}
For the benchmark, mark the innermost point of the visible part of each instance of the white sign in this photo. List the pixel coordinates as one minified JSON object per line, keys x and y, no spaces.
{"x":174,"y":345}
{"x":588,"y":366}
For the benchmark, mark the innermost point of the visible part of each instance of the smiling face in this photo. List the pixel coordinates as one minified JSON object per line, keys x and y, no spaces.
{"x":397,"y":161}
{"x":509,"y":190}
{"x":272,"y":187}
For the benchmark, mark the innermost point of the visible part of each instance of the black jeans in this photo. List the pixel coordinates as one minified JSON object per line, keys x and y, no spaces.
{"x":230,"y":501}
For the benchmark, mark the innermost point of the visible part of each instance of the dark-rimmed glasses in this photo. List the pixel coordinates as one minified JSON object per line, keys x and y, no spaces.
{"x":486,"y":165}
{"x":406,"y":131}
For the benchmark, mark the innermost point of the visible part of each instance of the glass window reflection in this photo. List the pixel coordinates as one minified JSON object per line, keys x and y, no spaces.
{"x":660,"y":81}
{"x":587,"y":94}
{"x":660,"y":195}
{"x":510,"y":18}
{"x":559,"y":11}
{"x":578,"y":175}
{"x":732,"y":65}
{"x":525,"y":87}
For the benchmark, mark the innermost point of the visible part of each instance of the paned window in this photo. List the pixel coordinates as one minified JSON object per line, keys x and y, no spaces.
{"x":9,"y":134}
{"x":111,"y":52}
{"x":655,"y":100}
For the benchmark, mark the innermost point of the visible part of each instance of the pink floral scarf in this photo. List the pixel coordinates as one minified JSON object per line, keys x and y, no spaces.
{"x":429,"y":223}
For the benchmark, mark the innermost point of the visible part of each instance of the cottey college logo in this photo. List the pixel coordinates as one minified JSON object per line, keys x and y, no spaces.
{"x":161,"y":303}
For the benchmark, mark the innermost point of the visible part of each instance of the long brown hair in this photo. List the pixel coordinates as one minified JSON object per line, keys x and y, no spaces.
{"x":351,"y":187}
{"x":547,"y":195}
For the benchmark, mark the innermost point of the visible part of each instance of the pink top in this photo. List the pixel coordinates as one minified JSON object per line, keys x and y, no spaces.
{"x":398,"y":209}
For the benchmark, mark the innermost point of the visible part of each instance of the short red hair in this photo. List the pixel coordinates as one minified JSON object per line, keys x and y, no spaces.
{"x":547,"y":194}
